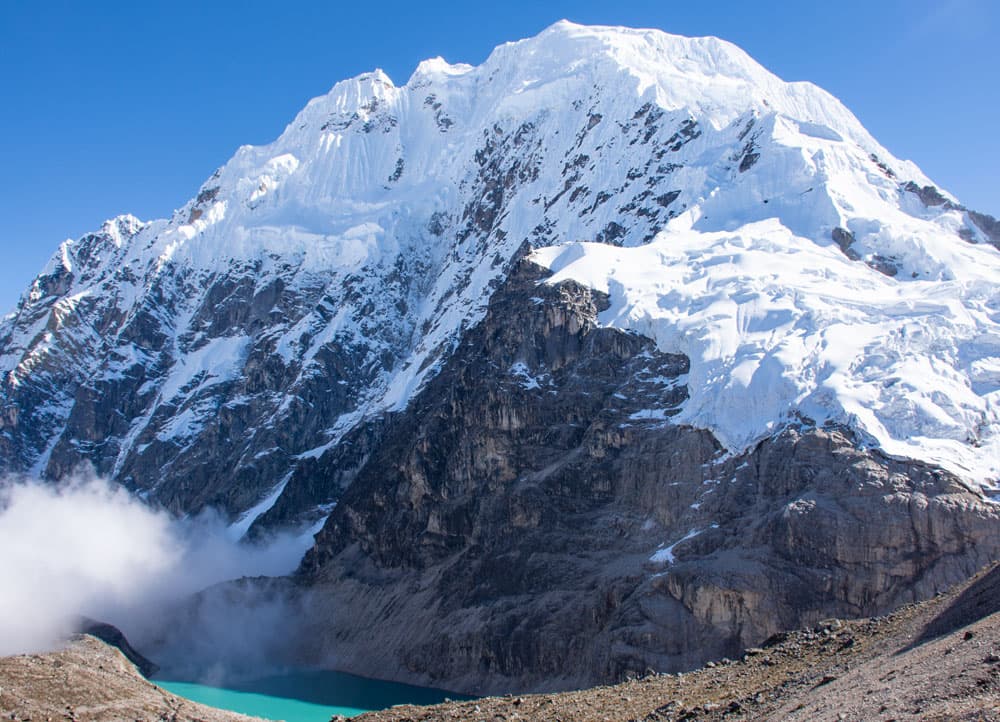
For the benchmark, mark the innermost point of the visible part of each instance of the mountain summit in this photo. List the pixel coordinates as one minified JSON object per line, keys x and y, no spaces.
{"x":609,"y":277}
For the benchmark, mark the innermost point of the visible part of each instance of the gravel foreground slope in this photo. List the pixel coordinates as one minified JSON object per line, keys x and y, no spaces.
{"x":90,"y":681}
{"x":938,"y":660}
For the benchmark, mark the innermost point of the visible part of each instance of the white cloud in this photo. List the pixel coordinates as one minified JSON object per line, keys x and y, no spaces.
{"x":89,"y":548}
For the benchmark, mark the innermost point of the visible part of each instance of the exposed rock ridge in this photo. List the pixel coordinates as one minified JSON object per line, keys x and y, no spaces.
{"x":931,"y":197}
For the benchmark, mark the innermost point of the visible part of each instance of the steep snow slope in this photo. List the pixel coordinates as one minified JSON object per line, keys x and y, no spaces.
{"x":318,"y":281}
{"x":779,"y":328}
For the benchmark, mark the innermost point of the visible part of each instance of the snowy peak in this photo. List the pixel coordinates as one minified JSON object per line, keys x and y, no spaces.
{"x":435,"y":69}
{"x":712,"y":78}
{"x":356,"y":93}
{"x":318,"y":282}
{"x":368,"y":140}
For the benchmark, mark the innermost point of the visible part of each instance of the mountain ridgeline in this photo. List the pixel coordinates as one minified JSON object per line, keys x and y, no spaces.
{"x":614,"y":352}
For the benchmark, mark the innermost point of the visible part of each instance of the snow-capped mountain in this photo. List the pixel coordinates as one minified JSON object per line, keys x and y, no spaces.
{"x":628,"y":240}
{"x":318,"y":281}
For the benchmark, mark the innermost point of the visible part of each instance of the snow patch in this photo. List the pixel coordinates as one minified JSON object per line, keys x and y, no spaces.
{"x":216,"y":362}
{"x":666,"y":555}
{"x":238,"y":529}
{"x":520,"y":371}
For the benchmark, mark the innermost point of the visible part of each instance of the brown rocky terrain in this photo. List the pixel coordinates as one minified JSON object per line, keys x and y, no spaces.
{"x":937,"y":660}
{"x":90,"y":681}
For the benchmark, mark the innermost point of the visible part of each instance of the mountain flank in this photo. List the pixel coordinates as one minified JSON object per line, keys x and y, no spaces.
{"x":549,"y":533}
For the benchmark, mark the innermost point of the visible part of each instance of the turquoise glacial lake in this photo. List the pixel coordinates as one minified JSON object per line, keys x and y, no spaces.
{"x":307,"y":696}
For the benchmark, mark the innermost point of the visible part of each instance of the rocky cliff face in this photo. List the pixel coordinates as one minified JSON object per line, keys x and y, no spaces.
{"x":525,"y":524}
{"x":615,"y":351}
{"x":927,"y":660}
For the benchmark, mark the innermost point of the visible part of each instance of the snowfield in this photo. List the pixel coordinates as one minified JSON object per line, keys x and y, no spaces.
{"x":780,"y":328}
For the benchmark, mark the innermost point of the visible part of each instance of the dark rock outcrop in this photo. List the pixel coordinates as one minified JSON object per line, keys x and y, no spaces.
{"x":988,"y":225}
{"x":845,"y":240}
{"x":110,"y":634}
{"x":930,"y":196}
{"x":877,"y":668}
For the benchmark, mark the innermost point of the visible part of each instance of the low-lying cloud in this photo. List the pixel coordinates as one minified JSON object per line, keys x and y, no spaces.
{"x":88,"y":547}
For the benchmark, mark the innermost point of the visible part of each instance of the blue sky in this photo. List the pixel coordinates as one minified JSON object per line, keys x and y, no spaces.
{"x":114,"y":107}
